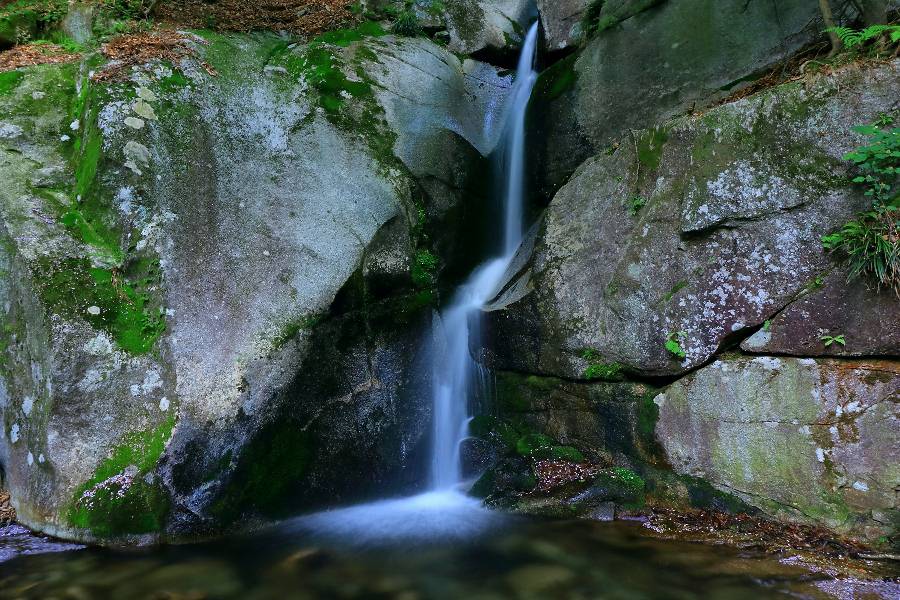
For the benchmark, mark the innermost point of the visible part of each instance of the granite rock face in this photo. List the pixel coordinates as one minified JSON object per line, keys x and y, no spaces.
{"x":810,"y":440}
{"x":653,"y":60}
{"x":696,"y":233}
{"x":181,"y":252}
{"x":868,"y":319}
{"x":682,"y":245}
{"x":562,"y":22}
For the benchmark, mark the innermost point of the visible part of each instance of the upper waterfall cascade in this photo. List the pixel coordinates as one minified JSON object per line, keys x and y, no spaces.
{"x":454,"y":369}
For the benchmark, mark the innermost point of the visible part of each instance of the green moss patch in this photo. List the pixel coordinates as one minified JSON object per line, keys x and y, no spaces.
{"x":345,"y":37}
{"x":488,"y":427}
{"x":622,"y":486}
{"x":601,"y":15}
{"x":269,"y":474}
{"x":90,"y":219}
{"x":675,"y":289}
{"x":9,"y":81}
{"x":108,"y":299}
{"x":541,"y":447}
{"x":557,"y":80}
{"x":650,"y":147}
{"x":424,"y":269}
{"x":322,"y":66}
{"x":604,"y":372}
{"x":122,"y":498}
{"x":292,"y":329}
{"x":348,"y":101}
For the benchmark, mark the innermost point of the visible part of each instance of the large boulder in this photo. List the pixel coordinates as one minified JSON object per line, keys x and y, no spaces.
{"x":496,"y":25}
{"x":691,"y":236}
{"x":808,"y":440}
{"x":653,"y":60}
{"x":211,"y":293}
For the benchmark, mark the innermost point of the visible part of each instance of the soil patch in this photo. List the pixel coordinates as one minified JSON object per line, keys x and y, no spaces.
{"x":28,"y":55}
{"x":306,"y":17}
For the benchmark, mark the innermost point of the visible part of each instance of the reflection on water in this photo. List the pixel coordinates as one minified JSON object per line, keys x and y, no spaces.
{"x":18,"y":541}
{"x":521,"y":559}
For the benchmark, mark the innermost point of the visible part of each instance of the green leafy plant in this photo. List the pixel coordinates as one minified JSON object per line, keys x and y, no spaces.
{"x":128,"y":9}
{"x":407,"y":21}
{"x":767,"y":326}
{"x":636,"y":204}
{"x":45,"y":12}
{"x":424,"y":268}
{"x":871,"y":242}
{"x":879,"y":160}
{"x":26,"y":20}
{"x":854,"y":39}
{"x":673,"y":344}
{"x":835,"y":339}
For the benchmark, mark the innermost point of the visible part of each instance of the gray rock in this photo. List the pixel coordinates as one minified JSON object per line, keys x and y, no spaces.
{"x":736,"y":203}
{"x":562,"y":21}
{"x":478,"y":24}
{"x":217,"y":321}
{"x":868,"y":320}
{"x":805,"y":440}
{"x":660,"y":59}
{"x":605,"y":511}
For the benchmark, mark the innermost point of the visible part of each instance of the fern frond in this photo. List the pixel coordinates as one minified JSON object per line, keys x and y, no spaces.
{"x":851,"y":38}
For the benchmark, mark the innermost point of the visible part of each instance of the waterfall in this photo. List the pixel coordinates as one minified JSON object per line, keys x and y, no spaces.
{"x":445,"y":514}
{"x":453,"y":367}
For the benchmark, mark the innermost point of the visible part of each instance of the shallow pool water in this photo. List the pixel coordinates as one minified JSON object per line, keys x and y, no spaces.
{"x":404,"y":550}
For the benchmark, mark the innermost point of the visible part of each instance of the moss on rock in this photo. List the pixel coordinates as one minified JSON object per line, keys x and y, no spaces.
{"x":125,"y":497}
{"x":110,"y":300}
{"x":267,"y":474}
{"x":557,"y":80}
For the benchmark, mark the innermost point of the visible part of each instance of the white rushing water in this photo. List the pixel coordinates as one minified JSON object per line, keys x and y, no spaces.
{"x":453,"y":367}
{"x":445,"y":513}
